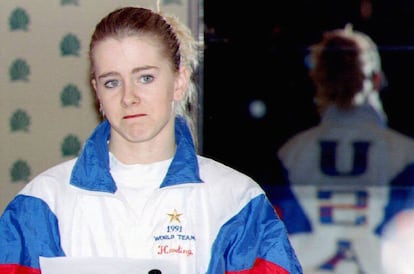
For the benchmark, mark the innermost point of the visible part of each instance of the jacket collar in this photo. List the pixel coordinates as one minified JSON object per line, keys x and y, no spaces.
{"x":91,"y":170}
{"x":359,"y":114}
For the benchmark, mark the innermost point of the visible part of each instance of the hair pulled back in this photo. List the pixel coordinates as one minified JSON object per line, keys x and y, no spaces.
{"x":343,"y":66}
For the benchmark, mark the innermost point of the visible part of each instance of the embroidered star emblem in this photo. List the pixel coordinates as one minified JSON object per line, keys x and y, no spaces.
{"x":175,"y":216}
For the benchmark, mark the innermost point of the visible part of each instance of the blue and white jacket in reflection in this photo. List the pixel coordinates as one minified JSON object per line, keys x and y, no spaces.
{"x":345,"y":179}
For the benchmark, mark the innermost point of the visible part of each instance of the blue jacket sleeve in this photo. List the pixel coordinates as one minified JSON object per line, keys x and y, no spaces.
{"x":286,"y":203}
{"x":28,"y":229}
{"x":254,"y":240}
{"x":400,"y":196}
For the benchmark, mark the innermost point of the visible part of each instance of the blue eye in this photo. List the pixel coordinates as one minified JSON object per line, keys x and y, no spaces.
{"x":112,"y":83}
{"x":146,"y":79}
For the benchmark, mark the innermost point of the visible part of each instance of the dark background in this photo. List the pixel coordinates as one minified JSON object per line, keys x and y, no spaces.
{"x":257,"y":51}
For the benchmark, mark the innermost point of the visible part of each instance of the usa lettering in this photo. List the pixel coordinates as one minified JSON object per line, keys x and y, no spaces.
{"x":344,"y":208}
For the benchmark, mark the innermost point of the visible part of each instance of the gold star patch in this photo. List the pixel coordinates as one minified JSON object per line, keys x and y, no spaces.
{"x":175,"y":216}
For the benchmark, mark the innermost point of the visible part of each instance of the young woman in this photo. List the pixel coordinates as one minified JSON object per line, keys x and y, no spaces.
{"x":345,"y":170}
{"x":138,"y":190}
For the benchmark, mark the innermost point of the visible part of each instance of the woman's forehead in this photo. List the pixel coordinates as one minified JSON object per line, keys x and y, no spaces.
{"x":130,"y":47}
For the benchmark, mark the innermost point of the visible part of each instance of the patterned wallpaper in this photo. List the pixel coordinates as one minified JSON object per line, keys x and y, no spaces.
{"x":47,"y":109}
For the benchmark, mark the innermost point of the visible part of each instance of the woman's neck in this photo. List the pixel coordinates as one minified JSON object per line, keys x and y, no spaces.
{"x":142,"y":152}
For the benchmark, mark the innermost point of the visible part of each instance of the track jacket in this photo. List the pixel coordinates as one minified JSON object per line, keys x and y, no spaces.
{"x":342,"y":172}
{"x":205,"y":217}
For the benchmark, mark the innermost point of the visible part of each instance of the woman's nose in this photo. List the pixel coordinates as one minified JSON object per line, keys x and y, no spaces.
{"x":130,"y":95}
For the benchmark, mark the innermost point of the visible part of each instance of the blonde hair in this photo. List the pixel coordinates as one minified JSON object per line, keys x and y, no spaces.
{"x":190,"y":53}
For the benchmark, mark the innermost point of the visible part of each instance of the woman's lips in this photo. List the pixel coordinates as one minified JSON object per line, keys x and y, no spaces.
{"x":133,"y":116}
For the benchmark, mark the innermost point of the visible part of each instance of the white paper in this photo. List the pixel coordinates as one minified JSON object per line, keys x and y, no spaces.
{"x":100,"y":265}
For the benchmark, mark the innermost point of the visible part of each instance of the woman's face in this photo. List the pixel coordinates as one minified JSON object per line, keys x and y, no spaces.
{"x":136,"y":88}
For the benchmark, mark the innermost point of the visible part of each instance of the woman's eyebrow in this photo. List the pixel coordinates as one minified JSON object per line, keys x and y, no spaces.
{"x":135,"y":70}
{"x":107,"y":74}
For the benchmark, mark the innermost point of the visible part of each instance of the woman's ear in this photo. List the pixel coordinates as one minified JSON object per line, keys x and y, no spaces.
{"x":378,"y":80}
{"x":181,"y":83}
{"x":93,"y":84}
